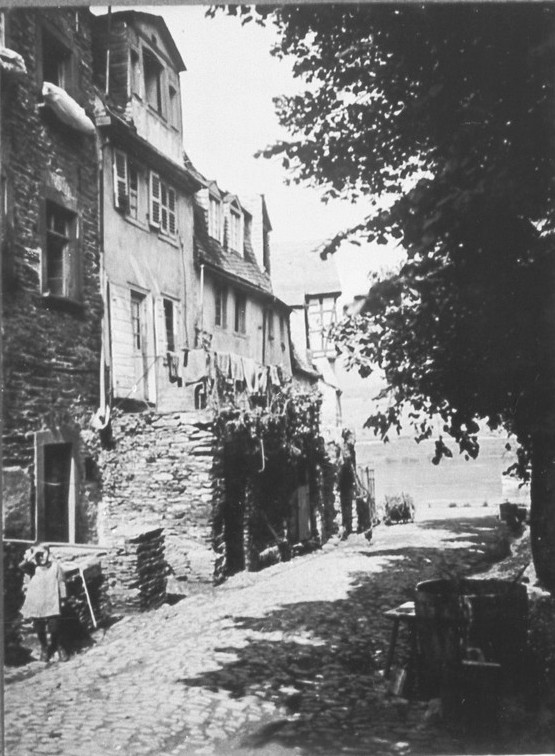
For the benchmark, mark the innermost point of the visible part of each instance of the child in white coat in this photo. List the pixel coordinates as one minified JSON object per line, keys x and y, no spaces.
{"x":46,"y":594}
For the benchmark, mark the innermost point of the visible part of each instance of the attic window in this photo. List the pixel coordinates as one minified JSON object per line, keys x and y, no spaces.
{"x":215,"y":218}
{"x":153,"y":81}
{"x":235,"y":230}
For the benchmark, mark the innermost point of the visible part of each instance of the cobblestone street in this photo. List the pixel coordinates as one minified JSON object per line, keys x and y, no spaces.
{"x":288,"y":660}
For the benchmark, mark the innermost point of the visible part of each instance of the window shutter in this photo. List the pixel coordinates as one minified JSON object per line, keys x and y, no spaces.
{"x":164,"y":208}
{"x":155,"y":187}
{"x":172,"y":224}
{"x":120,"y":179}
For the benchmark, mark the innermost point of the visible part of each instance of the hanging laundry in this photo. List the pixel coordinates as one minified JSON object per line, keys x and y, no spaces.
{"x":250,"y":373}
{"x":223,"y":363}
{"x":237,"y":372}
{"x":262,"y":379}
{"x":197,"y":366}
{"x":174,"y":367}
{"x":274,"y":375}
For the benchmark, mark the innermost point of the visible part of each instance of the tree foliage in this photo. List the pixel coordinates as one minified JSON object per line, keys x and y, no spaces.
{"x":449,"y":107}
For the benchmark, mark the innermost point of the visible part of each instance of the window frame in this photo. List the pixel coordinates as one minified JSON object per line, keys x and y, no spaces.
{"x":169,"y":333}
{"x":70,"y":253}
{"x":162,"y":214}
{"x":235,"y":230}
{"x":153,"y":65}
{"x":215,"y":218}
{"x":220,"y":305}
{"x":51,"y":39}
{"x":126,"y":201}
{"x":240,"y":319}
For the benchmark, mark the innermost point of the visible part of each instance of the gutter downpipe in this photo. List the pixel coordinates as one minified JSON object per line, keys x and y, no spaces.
{"x":201,"y":303}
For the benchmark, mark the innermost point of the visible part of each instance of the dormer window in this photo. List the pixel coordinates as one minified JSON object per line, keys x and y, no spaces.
{"x":153,"y":81}
{"x":215,"y":218}
{"x":235,"y":236}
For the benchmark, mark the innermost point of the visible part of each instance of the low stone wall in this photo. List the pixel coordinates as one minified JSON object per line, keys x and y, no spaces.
{"x":159,"y":473}
{"x":136,"y":571}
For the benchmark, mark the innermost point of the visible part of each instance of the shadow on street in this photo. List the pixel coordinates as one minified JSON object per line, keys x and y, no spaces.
{"x":323,"y":660}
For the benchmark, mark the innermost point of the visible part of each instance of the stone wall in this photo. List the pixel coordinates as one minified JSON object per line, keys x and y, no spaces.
{"x":160,"y":473}
{"x":51,"y":348}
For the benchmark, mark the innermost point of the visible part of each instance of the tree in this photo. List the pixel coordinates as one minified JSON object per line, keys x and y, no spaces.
{"x":451,"y":109}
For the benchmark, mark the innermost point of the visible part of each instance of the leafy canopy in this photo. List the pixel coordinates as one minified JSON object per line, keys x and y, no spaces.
{"x":450,"y":107}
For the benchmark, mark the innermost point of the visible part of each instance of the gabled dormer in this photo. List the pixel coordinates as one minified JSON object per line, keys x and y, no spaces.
{"x":137,"y":67}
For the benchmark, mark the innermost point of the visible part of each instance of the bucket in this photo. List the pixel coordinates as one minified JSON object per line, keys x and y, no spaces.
{"x":455,"y":616}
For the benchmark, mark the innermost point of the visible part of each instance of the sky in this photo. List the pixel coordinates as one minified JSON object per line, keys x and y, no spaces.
{"x":228,"y":115}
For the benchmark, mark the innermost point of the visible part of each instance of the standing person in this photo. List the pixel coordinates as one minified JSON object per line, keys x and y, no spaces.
{"x":346,"y":479}
{"x":46,"y":593}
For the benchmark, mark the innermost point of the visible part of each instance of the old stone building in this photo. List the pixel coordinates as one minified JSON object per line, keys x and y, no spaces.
{"x":52,"y":301}
{"x":51,"y":288}
{"x":138,"y":307}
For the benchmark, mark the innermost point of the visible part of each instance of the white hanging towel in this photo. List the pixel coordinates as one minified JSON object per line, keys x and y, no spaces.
{"x":66,"y":109}
{"x":249,"y":369}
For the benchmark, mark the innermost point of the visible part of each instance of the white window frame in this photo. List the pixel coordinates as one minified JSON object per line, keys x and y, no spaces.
{"x":235,"y":230}
{"x":163,"y":206}
{"x":123,"y":188}
{"x":215,"y":218}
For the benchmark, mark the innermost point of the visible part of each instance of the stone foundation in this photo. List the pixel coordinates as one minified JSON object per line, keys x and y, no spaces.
{"x":159,"y":474}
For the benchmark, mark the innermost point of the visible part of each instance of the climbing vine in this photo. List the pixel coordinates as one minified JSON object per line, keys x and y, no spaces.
{"x":268,"y":453}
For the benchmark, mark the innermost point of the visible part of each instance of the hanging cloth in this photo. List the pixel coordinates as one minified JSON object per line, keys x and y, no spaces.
{"x":250,"y":373}
{"x":197,"y":366}
{"x":237,"y":372}
{"x":66,"y":109}
{"x":223,"y":363}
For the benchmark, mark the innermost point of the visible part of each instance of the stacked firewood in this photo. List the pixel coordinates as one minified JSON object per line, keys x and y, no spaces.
{"x":136,"y":571}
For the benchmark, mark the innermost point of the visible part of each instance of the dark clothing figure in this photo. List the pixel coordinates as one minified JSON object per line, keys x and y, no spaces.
{"x":347,"y":480}
{"x":46,"y":592}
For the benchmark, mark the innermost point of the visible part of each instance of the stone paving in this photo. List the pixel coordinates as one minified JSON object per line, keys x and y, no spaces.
{"x":285,"y":661}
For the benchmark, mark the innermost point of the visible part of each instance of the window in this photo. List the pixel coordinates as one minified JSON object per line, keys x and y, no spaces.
{"x":240,"y":313}
{"x":56,"y":61}
{"x":126,"y":184}
{"x":60,"y":264}
{"x":133,"y":191}
{"x":235,"y":230}
{"x":220,"y":316}
{"x":321,"y":315}
{"x":170,"y":325}
{"x":162,"y":206}
{"x":153,"y":81}
{"x":137,"y":321}
{"x":215,"y":218}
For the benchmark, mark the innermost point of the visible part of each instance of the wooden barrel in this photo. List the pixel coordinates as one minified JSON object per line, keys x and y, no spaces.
{"x":455,"y":618}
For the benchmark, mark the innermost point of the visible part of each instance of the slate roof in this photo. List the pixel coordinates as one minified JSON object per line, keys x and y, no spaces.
{"x":210,"y":252}
{"x":298,"y":271}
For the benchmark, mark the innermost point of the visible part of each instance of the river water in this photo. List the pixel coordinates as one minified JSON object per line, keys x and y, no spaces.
{"x":405,"y":466}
